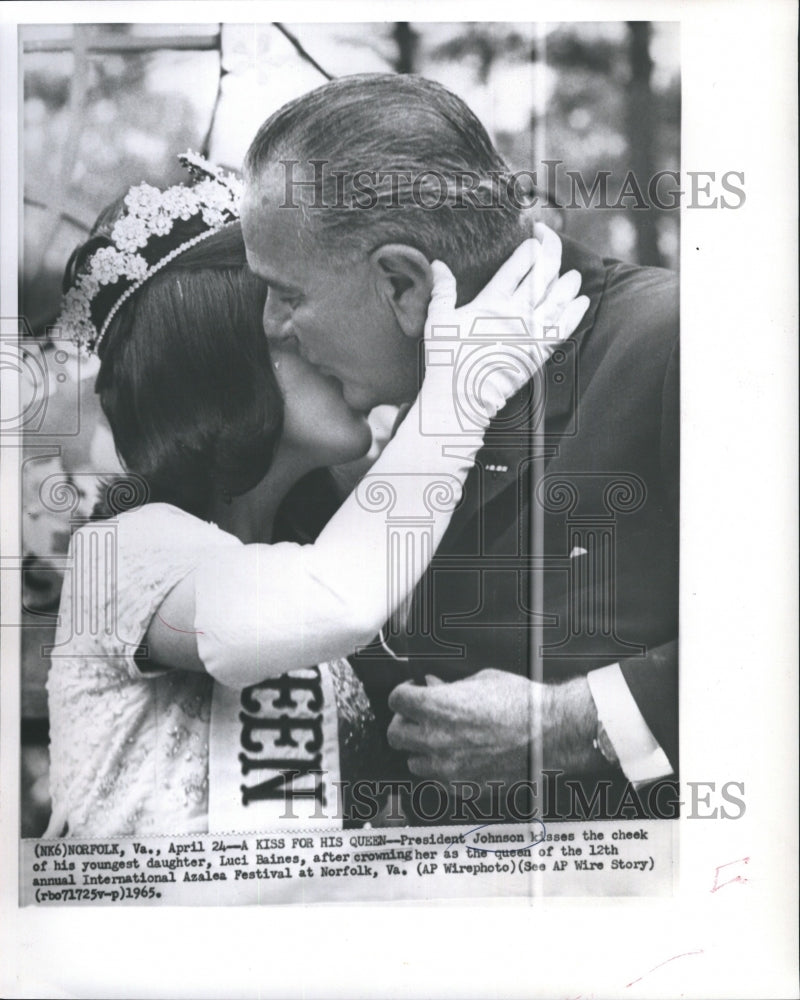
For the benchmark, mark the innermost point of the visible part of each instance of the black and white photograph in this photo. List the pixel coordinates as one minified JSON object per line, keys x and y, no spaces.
{"x":507,"y":525}
{"x":355,"y":476}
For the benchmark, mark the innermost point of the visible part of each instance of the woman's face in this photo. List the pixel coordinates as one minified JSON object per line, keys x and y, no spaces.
{"x":317,"y":420}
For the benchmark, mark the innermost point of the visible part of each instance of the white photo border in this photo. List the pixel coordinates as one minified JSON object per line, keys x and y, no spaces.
{"x":738,"y":612}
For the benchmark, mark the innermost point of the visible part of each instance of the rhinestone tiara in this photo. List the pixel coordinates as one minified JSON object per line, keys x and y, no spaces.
{"x":143,"y":240}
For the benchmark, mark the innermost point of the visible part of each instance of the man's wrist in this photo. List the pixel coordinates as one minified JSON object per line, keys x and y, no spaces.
{"x":570,"y":728}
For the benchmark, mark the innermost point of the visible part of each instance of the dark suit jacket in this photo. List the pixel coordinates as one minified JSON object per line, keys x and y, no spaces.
{"x":585,"y":461}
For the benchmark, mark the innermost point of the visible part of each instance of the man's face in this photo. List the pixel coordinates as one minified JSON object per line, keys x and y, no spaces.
{"x":334,"y":312}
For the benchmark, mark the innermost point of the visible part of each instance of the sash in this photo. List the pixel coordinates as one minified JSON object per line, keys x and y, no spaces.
{"x":273,"y":756}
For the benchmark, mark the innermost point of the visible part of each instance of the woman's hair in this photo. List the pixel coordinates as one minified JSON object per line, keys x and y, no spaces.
{"x":185,"y":379}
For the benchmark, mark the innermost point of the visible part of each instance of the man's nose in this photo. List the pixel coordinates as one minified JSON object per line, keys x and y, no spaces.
{"x":276,"y":319}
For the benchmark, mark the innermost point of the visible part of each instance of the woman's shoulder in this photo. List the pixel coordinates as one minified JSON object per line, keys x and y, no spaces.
{"x":155,"y":533}
{"x":121,"y":569}
{"x":160,"y":517}
{"x":157,"y":514}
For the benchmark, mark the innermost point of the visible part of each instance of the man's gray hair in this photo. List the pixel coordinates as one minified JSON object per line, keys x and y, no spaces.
{"x":381,"y":158}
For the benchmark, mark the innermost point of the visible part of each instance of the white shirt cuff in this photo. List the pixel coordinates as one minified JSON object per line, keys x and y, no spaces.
{"x":641,"y":758}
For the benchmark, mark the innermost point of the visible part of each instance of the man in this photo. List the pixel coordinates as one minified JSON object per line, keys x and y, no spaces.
{"x":551,"y":607}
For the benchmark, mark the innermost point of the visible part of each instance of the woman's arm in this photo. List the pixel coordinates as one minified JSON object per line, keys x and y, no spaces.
{"x":258,"y":610}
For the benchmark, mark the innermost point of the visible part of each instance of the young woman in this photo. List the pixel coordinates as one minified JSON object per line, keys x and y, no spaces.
{"x":216,"y":434}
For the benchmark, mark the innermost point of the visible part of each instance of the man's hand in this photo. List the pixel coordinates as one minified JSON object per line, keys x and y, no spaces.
{"x":492,"y":726}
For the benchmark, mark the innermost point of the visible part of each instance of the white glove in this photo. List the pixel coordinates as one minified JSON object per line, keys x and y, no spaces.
{"x":479,"y":355}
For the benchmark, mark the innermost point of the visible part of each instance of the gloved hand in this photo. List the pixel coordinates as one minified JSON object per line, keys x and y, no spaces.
{"x":481,"y":354}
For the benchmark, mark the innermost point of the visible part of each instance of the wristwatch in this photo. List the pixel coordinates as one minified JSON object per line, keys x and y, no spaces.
{"x":603,"y":744}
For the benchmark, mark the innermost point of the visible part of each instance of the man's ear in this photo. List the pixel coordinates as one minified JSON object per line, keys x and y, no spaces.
{"x":403,"y":278}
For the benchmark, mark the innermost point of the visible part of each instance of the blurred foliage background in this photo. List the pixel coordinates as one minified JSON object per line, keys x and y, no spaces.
{"x":108,"y":106}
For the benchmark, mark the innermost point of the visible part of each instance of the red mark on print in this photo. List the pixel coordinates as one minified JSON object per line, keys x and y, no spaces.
{"x":185,"y":631}
{"x":660,"y":964}
{"x":728,"y":876}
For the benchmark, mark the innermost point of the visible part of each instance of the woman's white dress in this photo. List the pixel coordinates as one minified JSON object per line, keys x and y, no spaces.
{"x":129,"y":744}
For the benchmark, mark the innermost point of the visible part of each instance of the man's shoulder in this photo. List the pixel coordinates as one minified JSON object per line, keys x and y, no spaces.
{"x":630,"y":334}
{"x":585,"y":259}
{"x":635,"y":297}
{"x":658,"y":285}
{"x":634,"y":310}
{"x":640,"y":308}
